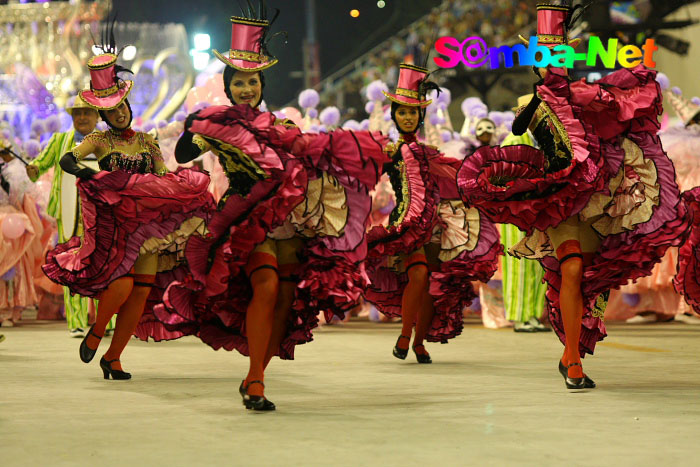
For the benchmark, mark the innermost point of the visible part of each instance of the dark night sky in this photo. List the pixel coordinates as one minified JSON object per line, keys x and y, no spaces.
{"x":341,"y":37}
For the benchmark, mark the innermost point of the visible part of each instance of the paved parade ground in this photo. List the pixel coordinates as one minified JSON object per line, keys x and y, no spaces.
{"x":490,"y":398}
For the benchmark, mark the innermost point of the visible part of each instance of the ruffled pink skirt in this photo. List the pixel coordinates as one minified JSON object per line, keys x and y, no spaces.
{"x":211,"y":302}
{"x":620,"y":179}
{"x":468,"y":244}
{"x":125,"y":215}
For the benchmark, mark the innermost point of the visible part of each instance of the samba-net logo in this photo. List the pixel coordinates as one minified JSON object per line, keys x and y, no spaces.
{"x":474,"y":53}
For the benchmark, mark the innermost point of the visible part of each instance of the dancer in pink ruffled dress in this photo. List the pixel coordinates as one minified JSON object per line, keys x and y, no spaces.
{"x":421,"y":264}
{"x":598,"y":198}
{"x":136,"y":218}
{"x":21,"y":231}
{"x":289,"y":236}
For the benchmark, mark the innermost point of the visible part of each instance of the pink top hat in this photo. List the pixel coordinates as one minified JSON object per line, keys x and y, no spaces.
{"x":107,"y":91}
{"x":408,"y":87}
{"x":246,"y":45}
{"x":551,"y":26}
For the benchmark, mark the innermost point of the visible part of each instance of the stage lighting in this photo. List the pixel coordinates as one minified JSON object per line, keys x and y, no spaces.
{"x":354,"y":13}
{"x":381,"y":3}
{"x":129,"y":53}
{"x":202,"y":42}
{"x":200,"y":60}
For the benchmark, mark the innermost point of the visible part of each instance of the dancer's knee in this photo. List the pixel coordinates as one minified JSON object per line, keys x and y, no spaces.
{"x":418,"y":275}
{"x":265,"y":283}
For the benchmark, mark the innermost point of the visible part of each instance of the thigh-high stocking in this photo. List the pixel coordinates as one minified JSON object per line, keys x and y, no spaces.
{"x":128,"y":318}
{"x":571,"y":302}
{"x":412,"y":299}
{"x":425,"y":319}
{"x":111,"y":299}
{"x":259,"y":319}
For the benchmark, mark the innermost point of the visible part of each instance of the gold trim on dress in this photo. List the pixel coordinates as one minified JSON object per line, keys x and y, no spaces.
{"x":559,"y":126}
{"x":242,"y":162}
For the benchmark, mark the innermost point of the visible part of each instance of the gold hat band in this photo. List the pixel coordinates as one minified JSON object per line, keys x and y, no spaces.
{"x":246,"y":55}
{"x":407,"y":93}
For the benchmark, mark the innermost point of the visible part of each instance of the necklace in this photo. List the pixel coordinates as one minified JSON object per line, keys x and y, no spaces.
{"x":127,"y":135}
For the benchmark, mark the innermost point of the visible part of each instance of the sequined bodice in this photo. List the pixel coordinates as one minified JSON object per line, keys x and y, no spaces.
{"x":130,"y":151}
{"x":141,"y":163}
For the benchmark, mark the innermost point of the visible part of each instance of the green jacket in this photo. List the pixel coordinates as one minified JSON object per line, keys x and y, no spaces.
{"x":59,"y":144}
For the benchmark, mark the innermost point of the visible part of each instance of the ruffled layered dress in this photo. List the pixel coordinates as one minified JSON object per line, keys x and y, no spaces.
{"x":683,"y":146}
{"x":18,"y":259}
{"x":600,"y":161}
{"x":129,"y":210}
{"x":656,"y":292}
{"x":282,"y":184}
{"x":429,"y":212}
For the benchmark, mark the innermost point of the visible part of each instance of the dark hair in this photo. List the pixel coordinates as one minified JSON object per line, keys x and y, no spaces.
{"x":421,"y":112}
{"x":228,"y":77}
{"x":103,"y":114}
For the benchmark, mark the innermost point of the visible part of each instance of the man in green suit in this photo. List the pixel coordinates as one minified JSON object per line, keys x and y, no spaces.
{"x":84,"y":122}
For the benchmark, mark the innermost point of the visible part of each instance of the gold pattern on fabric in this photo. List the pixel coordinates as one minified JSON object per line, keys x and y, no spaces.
{"x":407,"y":93}
{"x":246,"y":55}
{"x":201,"y":144}
{"x":234,"y":160}
{"x":132,"y":150}
{"x":406,"y":194}
{"x":550,"y":39}
{"x":633,"y":194}
{"x":109,"y":91}
{"x":391,"y":147}
{"x":99,"y":139}
{"x":285,"y":122}
{"x":152,"y":147}
{"x":601,"y":303}
{"x":171,"y":248}
{"x":559,"y":133}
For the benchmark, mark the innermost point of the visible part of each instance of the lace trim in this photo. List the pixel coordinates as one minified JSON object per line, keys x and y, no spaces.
{"x":561,"y":134}
{"x":406,"y":193}
{"x":240,"y":164}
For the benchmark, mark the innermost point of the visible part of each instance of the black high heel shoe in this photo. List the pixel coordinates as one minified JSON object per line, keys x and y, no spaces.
{"x":588,"y":383}
{"x":400,"y":353}
{"x":108,"y":371}
{"x":422,"y":357}
{"x":86,"y":353}
{"x":257,"y":403}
